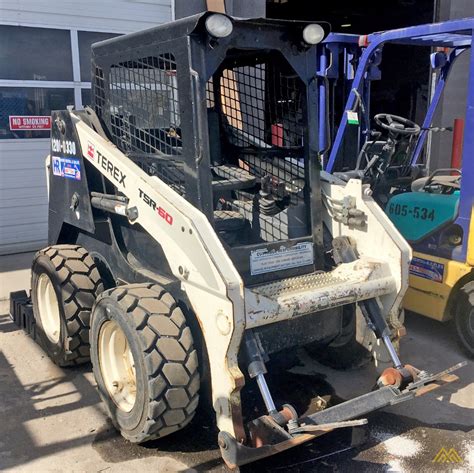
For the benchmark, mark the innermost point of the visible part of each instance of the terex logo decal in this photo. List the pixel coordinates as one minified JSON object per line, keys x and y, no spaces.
{"x":90,"y":150}
{"x":160,"y":210}
{"x":110,"y":168}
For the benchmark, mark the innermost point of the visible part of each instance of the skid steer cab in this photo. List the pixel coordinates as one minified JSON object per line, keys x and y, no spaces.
{"x":189,"y":243}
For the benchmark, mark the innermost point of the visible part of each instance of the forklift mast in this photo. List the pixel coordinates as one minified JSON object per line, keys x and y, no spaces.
{"x":452,"y":36}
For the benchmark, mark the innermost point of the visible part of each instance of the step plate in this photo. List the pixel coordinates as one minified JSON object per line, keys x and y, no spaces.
{"x":300,"y":284}
{"x":301,"y":295}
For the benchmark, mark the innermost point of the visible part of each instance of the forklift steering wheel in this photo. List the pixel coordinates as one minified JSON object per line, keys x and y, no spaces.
{"x":396,"y":124}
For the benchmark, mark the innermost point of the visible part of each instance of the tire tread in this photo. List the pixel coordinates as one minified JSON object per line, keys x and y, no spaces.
{"x":80,"y":284}
{"x":156,"y":317}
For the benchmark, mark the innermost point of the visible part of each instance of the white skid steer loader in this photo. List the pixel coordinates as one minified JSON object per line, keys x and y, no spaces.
{"x":193,"y":235}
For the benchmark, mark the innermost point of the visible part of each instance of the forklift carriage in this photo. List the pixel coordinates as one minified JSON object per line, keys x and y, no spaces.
{"x":189,"y":240}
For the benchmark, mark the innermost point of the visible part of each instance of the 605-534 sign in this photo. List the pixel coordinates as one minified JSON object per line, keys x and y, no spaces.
{"x":421,"y":213}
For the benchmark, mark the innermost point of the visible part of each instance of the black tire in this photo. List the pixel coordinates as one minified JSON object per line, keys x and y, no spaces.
{"x":166,"y":368}
{"x":76,"y":283}
{"x":344,"y":352}
{"x":464,"y":318}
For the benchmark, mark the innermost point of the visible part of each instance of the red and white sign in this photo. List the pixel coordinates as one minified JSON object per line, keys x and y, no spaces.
{"x":21,"y":122}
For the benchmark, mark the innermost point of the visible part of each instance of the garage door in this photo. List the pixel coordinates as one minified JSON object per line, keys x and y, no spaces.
{"x":23,"y":195}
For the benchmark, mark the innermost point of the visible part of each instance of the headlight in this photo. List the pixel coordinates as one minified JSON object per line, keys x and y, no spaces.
{"x":313,"y":34}
{"x":219,"y":25}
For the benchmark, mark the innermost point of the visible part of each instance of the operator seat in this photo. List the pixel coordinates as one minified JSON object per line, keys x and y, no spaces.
{"x":443,"y":181}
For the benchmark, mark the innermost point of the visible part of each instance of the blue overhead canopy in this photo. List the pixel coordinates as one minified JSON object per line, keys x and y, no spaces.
{"x":450,"y":34}
{"x":446,"y":40}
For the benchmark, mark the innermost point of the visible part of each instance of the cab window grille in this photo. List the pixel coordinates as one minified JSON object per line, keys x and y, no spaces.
{"x":261,"y":106}
{"x":142,"y":110}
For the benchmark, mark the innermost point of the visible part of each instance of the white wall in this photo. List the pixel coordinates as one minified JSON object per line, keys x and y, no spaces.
{"x":116,"y":16}
{"x":23,"y":196}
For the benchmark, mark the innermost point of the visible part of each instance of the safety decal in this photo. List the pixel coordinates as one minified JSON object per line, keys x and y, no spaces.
{"x":265,"y":261}
{"x":67,"y":167}
{"x":427,"y":269}
{"x":20,"y":122}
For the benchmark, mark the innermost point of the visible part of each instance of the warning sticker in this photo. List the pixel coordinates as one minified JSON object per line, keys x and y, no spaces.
{"x":427,"y":269}
{"x":20,"y":122}
{"x":265,"y":261}
{"x":67,"y":167}
{"x":352,"y":118}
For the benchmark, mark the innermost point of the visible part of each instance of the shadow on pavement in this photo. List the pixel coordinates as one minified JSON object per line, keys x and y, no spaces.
{"x":20,"y":404}
{"x":428,"y":344}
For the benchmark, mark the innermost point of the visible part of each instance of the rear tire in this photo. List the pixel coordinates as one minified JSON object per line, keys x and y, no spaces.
{"x":464,"y":318}
{"x":144,"y":361}
{"x":64,"y":285}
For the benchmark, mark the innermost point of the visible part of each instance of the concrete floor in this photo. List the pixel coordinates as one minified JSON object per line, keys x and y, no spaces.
{"x":51,"y":419}
{"x":14,"y":275}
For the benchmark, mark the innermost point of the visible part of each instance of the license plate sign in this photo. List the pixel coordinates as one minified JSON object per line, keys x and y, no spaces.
{"x":267,"y":261}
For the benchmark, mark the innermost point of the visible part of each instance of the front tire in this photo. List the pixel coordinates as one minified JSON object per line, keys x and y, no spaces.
{"x":464,"y":318}
{"x":144,"y":361}
{"x":64,"y":285}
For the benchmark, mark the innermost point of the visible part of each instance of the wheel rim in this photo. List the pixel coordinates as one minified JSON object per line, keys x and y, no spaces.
{"x":117,"y":365}
{"x":48,"y":307}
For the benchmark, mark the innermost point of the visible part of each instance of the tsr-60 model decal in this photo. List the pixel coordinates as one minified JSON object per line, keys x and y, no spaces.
{"x":160,"y":210}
